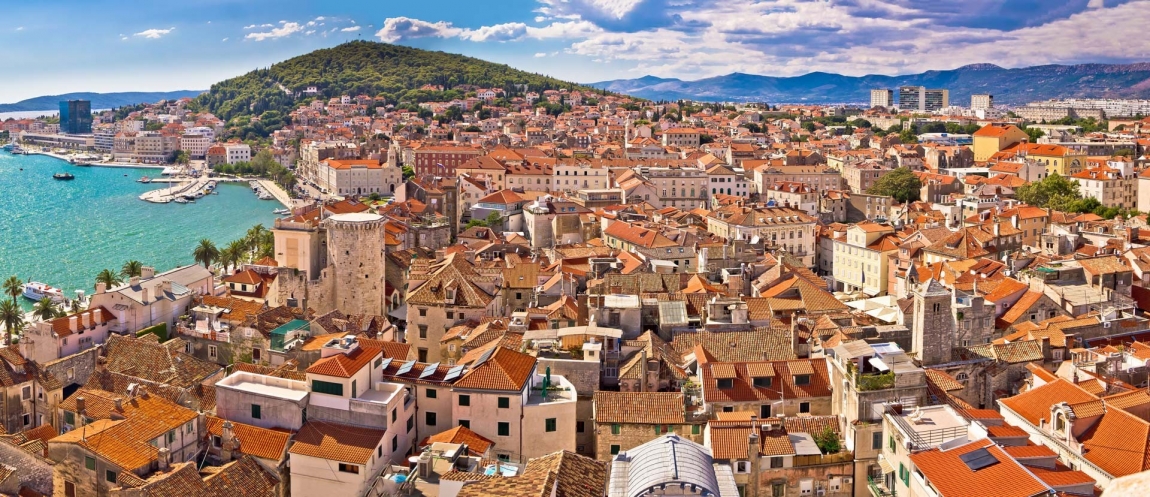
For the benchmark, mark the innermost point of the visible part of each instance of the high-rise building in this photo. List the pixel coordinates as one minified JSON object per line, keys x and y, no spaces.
{"x":76,"y":117}
{"x":981,"y":101}
{"x":881,"y":98}
{"x":919,"y":98}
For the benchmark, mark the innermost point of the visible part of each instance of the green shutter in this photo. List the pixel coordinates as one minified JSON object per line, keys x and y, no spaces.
{"x":327,"y":387}
{"x":694,"y":429}
{"x":615,"y":429}
{"x":256,"y":411}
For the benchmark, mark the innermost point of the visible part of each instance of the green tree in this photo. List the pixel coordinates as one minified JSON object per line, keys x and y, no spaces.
{"x":45,"y":309}
{"x":13,"y":318}
{"x":1034,"y":134}
{"x":494,"y":219}
{"x":180,"y":157}
{"x":374,"y":197}
{"x":408,"y":172}
{"x":900,"y":184}
{"x":828,"y":441}
{"x":132,"y":268}
{"x":206,"y":252}
{"x":13,"y":287}
{"x":907,"y":136}
{"x":109,"y":278}
{"x":1054,"y":191}
{"x":1124,"y":152}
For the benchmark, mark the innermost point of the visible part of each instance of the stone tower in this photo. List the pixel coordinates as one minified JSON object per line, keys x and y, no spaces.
{"x":356,"y":255}
{"x":934,"y":328}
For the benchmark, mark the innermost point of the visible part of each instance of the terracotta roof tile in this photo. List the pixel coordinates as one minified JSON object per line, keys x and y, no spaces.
{"x":654,"y":408}
{"x":951,"y":477}
{"x":255,"y":441}
{"x":505,"y":370}
{"x":337,"y":442}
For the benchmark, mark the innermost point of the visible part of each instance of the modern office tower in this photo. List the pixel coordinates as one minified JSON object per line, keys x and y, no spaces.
{"x":76,"y":117}
{"x":981,"y":101}
{"x":881,"y":98}
{"x":919,"y":98}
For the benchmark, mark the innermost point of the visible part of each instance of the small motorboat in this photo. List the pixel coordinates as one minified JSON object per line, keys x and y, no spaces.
{"x":180,"y":200}
{"x":63,"y":176}
{"x":145,"y":179}
{"x":281,"y":212}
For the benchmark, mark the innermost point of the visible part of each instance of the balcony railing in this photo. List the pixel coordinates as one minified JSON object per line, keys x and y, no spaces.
{"x":878,"y":488}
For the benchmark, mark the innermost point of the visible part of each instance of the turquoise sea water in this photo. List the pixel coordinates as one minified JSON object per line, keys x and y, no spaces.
{"x":64,"y":232}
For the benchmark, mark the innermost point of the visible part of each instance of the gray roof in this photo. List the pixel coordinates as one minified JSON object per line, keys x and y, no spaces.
{"x":180,"y":277}
{"x":673,"y":313}
{"x":667,"y":460}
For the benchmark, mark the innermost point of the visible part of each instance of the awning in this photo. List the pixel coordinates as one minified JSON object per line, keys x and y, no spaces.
{"x":885,"y":465}
{"x":878,"y":364}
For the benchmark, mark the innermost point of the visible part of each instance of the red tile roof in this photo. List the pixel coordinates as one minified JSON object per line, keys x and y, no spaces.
{"x":951,"y":477}
{"x":337,"y":442}
{"x":344,"y":365}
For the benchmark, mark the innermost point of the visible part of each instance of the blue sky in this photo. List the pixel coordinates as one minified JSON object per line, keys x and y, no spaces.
{"x":57,"y":46}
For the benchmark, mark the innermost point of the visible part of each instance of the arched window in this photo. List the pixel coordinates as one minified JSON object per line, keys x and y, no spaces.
{"x":962,"y":377}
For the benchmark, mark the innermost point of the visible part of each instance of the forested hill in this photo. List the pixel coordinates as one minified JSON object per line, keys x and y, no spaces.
{"x":369,"y":68}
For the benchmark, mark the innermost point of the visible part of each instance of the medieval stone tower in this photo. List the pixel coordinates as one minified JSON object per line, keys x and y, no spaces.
{"x":934,"y":330}
{"x":355,"y":248}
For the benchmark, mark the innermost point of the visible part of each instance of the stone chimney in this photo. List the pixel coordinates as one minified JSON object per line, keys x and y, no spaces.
{"x":119,"y":404}
{"x":134,"y":281}
{"x":144,"y":295}
{"x":101,"y":365}
{"x":80,"y":404}
{"x":101,"y":288}
{"x":73,"y":323}
{"x":163,"y":459}
{"x":755,"y":457}
{"x":147,"y":272}
{"x":643,"y":370}
{"x":228,"y":443}
{"x":86,"y":319}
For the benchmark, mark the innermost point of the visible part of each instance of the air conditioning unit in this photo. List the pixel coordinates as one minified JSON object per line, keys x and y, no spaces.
{"x":821,"y":492}
{"x":847,"y":481}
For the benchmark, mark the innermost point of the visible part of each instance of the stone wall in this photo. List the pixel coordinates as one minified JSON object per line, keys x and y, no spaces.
{"x":825,"y":476}
{"x":74,"y":369}
{"x":634,"y":435}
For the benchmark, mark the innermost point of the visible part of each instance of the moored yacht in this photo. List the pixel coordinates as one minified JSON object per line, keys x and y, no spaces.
{"x":35,"y":290}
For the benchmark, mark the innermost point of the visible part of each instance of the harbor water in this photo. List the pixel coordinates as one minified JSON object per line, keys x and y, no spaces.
{"x":64,"y":232}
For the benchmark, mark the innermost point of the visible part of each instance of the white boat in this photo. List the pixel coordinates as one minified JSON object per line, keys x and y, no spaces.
{"x":180,"y":200}
{"x":281,"y":211}
{"x":144,"y":179}
{"x":34,"y":290}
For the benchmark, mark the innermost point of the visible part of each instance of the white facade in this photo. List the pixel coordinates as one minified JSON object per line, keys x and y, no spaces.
{"x":981,"y":101}
{"x":571,"y":177}
{"x":529,"y":426}
{"x":238,"y":152}
{"x":196,"y":146}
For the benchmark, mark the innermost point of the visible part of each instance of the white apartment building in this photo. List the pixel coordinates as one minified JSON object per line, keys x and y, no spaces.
{"x":1114,"y":185}
{"x":196,"y":146}
{"x":105,"y":138}
{"x":238,"y":152}
{"x":723,"y":180}
{"x":574,"y":176}
{"x":682,"y":187}
{"x":981,"y":101}
{"x":358,"y":177}
{"x":881,"y":98}
{"x":860,"y":262}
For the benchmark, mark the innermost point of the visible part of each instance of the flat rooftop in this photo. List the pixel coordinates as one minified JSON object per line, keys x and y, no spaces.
{"x":267,"y":386}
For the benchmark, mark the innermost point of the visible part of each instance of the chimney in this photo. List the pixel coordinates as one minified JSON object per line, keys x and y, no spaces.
{"x":73,"y":323}
{"x":147,"y":272}
{"x":80,"y":406}
{"x":144,"y":294}
{"x":101,"y":288}
{"x":134,"y":281}
{"x":754,"y":455}
{"x":643,"y":370}
{"x":228,"y":442}
{"x":164,"y":458}
{"x":101,"y":365}
{"x":86,"y":319}
{"x":119,"y":404}
{"x":996,"y":230}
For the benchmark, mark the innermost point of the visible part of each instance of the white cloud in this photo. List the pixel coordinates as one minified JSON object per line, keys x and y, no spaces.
{"x":223,"y":40}
{"x":540,"y":54}
{"x":288,"y":29}
{"x":250,"y":26}
{"x":397,"y":29}
{"x":19,"y":28}
{"x":499,"y":32}
{"x":321,"y":18}
{"x":309,"y":32}
{"x":154,"y":34}
{"x":348,"y":30}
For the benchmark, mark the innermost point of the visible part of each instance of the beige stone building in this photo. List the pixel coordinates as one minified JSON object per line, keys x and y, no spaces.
{"x":860,"y":260}
{"x":443,"y":293}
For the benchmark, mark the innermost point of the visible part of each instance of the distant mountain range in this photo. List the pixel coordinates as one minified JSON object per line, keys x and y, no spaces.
{"x":1009,"y":86}
{"x":99,"y":100}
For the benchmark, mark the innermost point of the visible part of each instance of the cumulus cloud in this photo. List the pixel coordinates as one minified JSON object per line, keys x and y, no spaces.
{"x":349,"y":29}
{"x":287,"y":29}
{"x":540,"y":54}
{"x":223,"y":40}
{"x":397,"y":29}
{"x":499,"y":32}
{"x":19,"y":28}
{"x":154,"y":34}
{"x":250,"y":26}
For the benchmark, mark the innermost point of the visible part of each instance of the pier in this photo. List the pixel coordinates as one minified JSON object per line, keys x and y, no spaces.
{"x":183,"y":187}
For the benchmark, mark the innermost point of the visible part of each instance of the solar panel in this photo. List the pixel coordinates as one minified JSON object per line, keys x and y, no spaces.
{"x":483,"y":358}
{"x":978,"y":459}
{"x":454,"y":373}
{"x":385,"y":363}
{"x":405,"y":368}
{"x":429,"y":370}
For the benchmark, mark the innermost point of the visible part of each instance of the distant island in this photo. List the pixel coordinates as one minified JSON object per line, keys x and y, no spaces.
{"x":1009,"y":86}
{"x":99,"y":100}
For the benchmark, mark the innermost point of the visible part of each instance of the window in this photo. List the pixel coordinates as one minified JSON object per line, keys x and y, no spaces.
{"x":379,"y":451}
{"x":903,"y":474}
{"x":465,"y":400}
{"x":890,"y":443}
{"x":429,"y":418}
{"x":26,"y":393}
{"x":188,"y":427}
{"x":348,"y":468}
{"x":378,"y":362}
{"x":778,"y":489}
{"x":423,"y":331}
{"x":742,"y":467}
{"x":695,"y":429}
{"x":961,"y":377}
{"x":394,"y":415}
{"x":69,"y":418}
{"x":216,"y":442}
{"x":394,"y":443}
{"x":876,"y":440}
{"x":728,"y":408}
{"x":616,"y":429}
{"x":110,"y":476}
{"x":762,"y":382}
{"x":764,"y":411}
{"x":776,"y":462}
{"x":804,"y":407}
{"x":726,"y":383}
{"x":429,"y":393}
{"x":211,"y":351}
{"x":465,"y":423}
{"x":256,"y":411}
{"x":549,"y":424}
{"x":27,"y":419}
{"x":503,"y":429}
{"x":802,"y":379}
{"x":614,"y":449}
{"x":90,"y":463}
{"x":423,"y":312}
{"x":327,"y":387}
{"x":579,"y":426}
{"x":355,"y":390}
{"x":504,"y":402}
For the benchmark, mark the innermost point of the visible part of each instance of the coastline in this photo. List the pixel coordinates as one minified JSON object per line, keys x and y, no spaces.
{"x":98,"y":164}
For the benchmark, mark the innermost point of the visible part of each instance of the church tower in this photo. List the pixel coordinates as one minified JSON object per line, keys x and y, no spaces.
{"x":933,"y":333}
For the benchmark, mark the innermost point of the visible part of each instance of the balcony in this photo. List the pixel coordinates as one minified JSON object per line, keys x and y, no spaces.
{"x":878,"y":488}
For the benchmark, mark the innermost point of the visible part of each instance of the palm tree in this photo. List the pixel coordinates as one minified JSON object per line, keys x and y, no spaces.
{"x":13,"y":287}
{"x":108,"y":278}
{"x":206,"y":253}
{"x":253,"y":236}
{"x":236,"y":252}
{"x":12,"y":316}
{"x":45,"y":309}
{"x":76,"y":305}
{"x":132,"y":268}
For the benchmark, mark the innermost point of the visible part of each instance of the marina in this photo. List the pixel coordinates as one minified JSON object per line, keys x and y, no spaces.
{"x":97,"y":221}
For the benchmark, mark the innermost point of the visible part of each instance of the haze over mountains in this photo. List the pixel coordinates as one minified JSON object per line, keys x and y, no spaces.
{"x":99,"y":100}
{"x":1011,"y":86}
